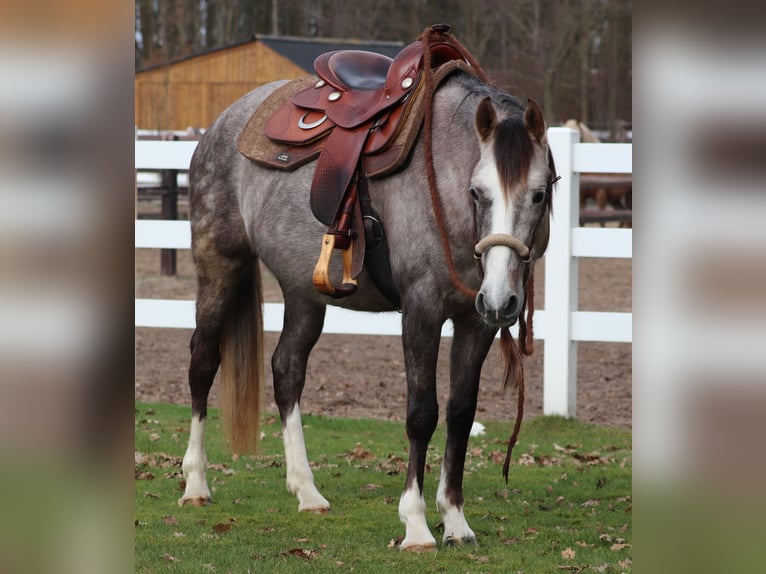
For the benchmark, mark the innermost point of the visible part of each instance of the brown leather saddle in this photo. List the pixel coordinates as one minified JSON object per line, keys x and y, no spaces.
{"x":360,"y":116}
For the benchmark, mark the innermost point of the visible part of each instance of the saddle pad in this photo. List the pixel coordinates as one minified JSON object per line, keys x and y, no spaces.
{"x":254,"y":144}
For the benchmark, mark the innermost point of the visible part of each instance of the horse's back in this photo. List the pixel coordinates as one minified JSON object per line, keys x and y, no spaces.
{"x":218,"y":146}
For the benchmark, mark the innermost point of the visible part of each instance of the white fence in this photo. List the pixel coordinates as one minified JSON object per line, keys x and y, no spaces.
{"x":566,"y":325}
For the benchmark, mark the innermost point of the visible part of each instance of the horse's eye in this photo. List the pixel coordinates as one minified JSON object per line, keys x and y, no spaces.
{"x":538,"y":197}
{"x":474,"y":193}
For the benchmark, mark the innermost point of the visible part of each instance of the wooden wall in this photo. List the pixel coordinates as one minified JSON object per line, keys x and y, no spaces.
{"x":193,"y":92}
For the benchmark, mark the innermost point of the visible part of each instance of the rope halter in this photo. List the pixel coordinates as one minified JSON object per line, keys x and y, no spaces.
{"x":503,"y":239}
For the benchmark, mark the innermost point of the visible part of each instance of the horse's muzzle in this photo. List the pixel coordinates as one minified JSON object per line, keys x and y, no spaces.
{"x":502,"y":315}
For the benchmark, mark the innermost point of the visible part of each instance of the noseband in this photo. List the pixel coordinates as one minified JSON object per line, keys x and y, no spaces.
{"x":504,"y":239}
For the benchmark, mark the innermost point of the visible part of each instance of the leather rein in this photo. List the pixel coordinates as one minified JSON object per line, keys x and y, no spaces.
{"x":509,"y":349}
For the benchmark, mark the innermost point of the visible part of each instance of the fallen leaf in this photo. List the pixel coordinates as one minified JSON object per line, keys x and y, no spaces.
{"x":154,"y":437}
{"x":568,"y":554}
{"x":526,"y":460}
{"x":169,"y":520}
{"x":479,"y":559}
{"x":149,"y":494}
{"x":169,"y":558}
{"x":618,"y":547}
{"x":301,"y":553}
{"x":359,"y":452}
{"x":371,"y":487}
{"x":221,"y":528}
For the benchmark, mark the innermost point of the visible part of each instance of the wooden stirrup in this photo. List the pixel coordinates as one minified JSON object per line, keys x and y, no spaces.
{"x":321,"y":277}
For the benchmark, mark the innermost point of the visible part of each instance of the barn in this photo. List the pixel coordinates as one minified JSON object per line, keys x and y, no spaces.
{"x":191,"y":92}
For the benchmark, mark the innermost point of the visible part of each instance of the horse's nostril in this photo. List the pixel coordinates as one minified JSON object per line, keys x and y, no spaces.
{"x":480,"y":306}
{"x":513,"y":306}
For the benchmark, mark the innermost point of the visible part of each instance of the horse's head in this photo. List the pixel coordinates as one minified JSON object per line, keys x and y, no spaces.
{"x":511,"y":188}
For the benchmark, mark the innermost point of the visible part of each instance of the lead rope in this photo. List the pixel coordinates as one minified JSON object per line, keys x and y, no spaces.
{"x":514,"y":367}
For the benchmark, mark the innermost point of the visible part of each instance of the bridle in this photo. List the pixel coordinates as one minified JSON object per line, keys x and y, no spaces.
{"x":507,"y":239}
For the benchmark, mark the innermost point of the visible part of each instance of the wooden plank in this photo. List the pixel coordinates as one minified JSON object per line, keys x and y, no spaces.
{"x":590,"y":181}
{"x":605,"y":215}
{"x":159,"y":234}
{"x":602,"y":242}
{"x":159,"y":155}
{"x":603,"y":158}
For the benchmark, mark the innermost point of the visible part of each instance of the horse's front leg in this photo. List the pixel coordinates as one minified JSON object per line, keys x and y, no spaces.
{"x":421,"y":332}
{"x":470,"y":345}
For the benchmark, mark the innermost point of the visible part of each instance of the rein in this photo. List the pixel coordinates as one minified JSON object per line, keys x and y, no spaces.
{"x":514,"y":367}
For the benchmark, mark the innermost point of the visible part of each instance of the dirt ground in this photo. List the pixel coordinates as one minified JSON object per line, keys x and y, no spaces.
{"x":371,"y":368}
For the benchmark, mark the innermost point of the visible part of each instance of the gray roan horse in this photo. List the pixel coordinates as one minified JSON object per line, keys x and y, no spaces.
{"x":494,"y":177}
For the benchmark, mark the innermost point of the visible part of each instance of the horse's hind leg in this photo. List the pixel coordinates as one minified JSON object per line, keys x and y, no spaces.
{"x":303,"y":323}
{"x":218,"y":280}
{"x":470,"y":345}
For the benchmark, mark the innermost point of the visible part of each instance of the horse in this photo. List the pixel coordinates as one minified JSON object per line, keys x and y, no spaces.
{"x":619,"y":198}
{"x":494,"y":176}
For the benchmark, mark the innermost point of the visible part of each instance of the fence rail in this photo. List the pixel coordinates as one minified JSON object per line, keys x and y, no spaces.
{"x":561,"y":326}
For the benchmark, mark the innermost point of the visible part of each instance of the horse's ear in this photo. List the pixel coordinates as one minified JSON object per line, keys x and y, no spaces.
{"x":534,"y":121}
{"x":486,"y":118}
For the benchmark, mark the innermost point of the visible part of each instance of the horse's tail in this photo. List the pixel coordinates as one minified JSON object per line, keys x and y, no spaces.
{"x":242,"y":364}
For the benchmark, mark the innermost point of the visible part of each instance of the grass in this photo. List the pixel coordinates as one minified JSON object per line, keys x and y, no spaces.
{"x":567,"y":506}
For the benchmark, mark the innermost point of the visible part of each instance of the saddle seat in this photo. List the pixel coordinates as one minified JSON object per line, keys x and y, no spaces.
{"x":355,"y":69}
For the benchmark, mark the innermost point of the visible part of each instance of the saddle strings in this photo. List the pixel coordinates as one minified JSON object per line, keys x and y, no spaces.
{"x":514,"y":366}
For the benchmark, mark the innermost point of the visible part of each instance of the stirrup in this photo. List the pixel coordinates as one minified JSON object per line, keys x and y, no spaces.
{"x":321,"y":278}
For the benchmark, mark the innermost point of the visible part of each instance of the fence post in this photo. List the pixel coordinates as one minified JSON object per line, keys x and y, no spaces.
{"x":560,"y":360}
{"x":169,"y":211}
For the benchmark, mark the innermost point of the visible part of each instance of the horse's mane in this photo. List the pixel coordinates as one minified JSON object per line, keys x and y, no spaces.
{"x":585,"y":132}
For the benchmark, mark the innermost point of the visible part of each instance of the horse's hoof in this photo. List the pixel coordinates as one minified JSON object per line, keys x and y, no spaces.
{"x":194,"y":501}
{"x":452,"y":541}
{"x":419,"y":548}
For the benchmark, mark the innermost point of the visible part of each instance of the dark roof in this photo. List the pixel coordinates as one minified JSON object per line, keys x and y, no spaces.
{"x":301,"y":51}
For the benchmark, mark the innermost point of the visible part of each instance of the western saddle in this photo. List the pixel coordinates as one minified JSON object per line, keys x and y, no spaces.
{"x":360,"y":115}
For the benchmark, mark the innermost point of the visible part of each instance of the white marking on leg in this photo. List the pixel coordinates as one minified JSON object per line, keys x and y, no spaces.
{"x":456,"y":529}
{"x":412,"y":512}
{"x":195,"y":465}
{"x":300,"y":479}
